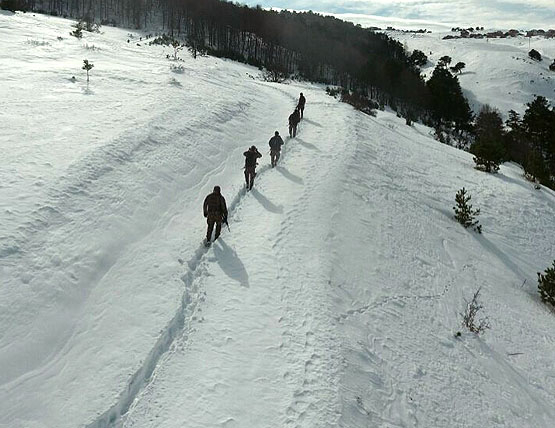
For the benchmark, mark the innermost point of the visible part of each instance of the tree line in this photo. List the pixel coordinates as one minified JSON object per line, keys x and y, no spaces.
{"x":367,"y":64}
{"x":528,"y":140}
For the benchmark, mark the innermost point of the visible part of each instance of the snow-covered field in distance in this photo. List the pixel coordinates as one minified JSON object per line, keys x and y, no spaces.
{"x":498,"y":71}
{"x":333,"y":300}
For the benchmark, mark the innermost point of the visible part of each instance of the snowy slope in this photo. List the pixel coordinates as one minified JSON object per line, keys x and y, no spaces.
{"x":340,"y":308}
{"x":334,"y":299}
{"x":498,"y":71}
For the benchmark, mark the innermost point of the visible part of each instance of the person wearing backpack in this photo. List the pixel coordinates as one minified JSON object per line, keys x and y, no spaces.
{"x":251,"y":157}
{"x":294,"y":120}
{"x":300,"y":106}
{"x":275,"y":148}
{"x":215,"y":212}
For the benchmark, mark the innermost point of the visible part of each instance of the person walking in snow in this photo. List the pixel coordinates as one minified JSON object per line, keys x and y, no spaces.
{"x":275,"y":148}
{"x":215,"y":212}
{"x":300,"y":106}
{"x":294,"y":120}
{"x":251,"y":157}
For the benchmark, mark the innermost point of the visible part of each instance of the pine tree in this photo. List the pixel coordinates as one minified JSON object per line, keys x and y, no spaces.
{"x":445,"y":60}
{"x":539,"y":126}
{"x":464,"y":213}
{"x":418,"y":58}
{"x":87,"y":66}
{"x":539,"y":120}
{"x":513,"y":121}
{"x":448,"y":103}
{"x":489,"y":149}
{"x":535,"y":169}
{"x":78,"y":32}
{"x":515,"y":141}
{"x":546,"y":285}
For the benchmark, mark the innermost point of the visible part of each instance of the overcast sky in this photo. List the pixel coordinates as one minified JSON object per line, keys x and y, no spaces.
{"x":521,"y":14}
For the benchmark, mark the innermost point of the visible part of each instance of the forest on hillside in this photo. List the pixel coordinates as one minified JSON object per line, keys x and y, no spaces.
{"x":369,"y":65}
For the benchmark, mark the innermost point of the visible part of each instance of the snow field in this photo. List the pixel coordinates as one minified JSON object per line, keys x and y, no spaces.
{"x":92,"y":258}
{"x":402,"y":270}
{"x":334,"y":299}
{"x":498,"y":71}
{"x":390,"y":272}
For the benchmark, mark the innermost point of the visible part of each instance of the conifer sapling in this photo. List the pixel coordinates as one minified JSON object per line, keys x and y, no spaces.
{"x":87,"y":66}
{"x":464,"y":213}
{"x":78,"y":32}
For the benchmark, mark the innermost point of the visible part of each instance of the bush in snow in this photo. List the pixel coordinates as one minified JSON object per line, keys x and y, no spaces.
{"x":275,"y":73}
{"x":89,"y":25}
{"x":91,"y":47}
{"x":78,"y":32}
{"x":360,"y":102}
{"x":458,"y":67}
{"x":470,"y":321}
{"x":163,"y":40}
{"x":333,"y":92}
{"x":445,"y":60}
{"x":419,"y":58}
{"x":552,"y":66}
{"x":38,"y":43}
{"x":177,"y":68}
{"x":546,"y":285}
{"x":464,"y":213}
{"x":87,"y":66}
{"x":535,"y":55}
{"x":177,"y":46}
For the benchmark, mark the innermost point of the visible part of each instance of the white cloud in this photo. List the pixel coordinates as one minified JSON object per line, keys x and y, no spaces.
{"x":410,"y":13}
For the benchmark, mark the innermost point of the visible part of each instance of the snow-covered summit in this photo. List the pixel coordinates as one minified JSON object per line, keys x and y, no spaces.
{"x":333,"y":301}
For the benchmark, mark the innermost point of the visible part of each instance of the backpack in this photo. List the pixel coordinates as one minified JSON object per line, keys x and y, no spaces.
{"x":250,"y":159}
{"x":275,"y":143}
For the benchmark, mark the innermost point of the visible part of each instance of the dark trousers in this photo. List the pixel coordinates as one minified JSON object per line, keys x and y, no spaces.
{"x":214,"y":219}
{"x":274,"y":155}
{"x":292,"y":131}
{"x":301,"y":110}
{"x":250,"y":173}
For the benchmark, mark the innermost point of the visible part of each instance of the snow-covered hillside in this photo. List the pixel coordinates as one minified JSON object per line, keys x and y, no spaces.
{"x":498,"y":71}
{"x":333,"y":301}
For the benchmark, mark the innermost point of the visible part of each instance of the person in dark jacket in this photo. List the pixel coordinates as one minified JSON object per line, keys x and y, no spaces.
{"x":215,"y":212}
{"x":251,"y":156}
{"x":294,"y":120}
{"x":300,"y":106}
{"x":275,"y":148}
